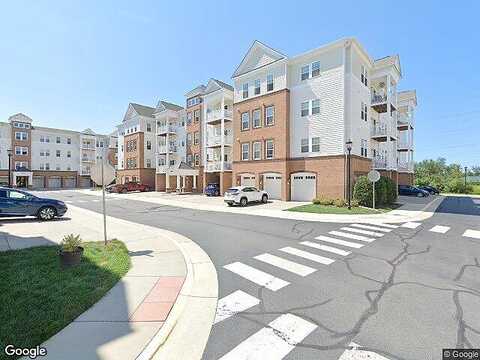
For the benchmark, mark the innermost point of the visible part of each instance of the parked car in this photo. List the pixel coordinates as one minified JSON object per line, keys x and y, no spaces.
{"x":127,"y":187}
{"x":15,"y":202}
{"x":212,"y":189}
{"x":244,"y":194}
{"x":432,"y":190}
{"x":412,"y":191}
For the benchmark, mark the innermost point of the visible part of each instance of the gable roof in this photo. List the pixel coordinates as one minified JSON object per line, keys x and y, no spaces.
{"x":20,"y":117}
{"x":390,"y":60}
{"x":214,"y":85}
{"x":143,"y":110}
{"x":257,"y":56}
{"x":88,"y":131}
{"x":165,"y":105}
{"x":199,"y":90}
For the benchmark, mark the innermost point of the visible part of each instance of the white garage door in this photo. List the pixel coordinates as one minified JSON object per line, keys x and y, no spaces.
{"x":54,"y":182}
{"x":84,"y":182}
{"x":272,"y":184}
{"x":248,"y":180}
{"x":304,"y":186}
{"x":38,"y":182}
{"x":69,"y":182}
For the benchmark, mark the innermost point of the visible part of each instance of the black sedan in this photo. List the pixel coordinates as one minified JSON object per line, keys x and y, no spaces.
{"x":15,"y":202}
{"x":412,"y":191}
{"x":432,"y":190}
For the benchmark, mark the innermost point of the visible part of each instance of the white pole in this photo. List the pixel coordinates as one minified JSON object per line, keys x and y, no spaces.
{"x":103,"y":203}
{"x":373,"y":195}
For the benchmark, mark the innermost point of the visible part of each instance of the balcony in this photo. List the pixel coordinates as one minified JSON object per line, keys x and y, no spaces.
{"x":85,"y":172}
{"x":213,"y":166}
{"x":404,"y":121}
{"x":166,"y":129}
{"x":88,"y":147}
{"x":162,"y":169}
{"x":163,"y":149}
{"x":88,"y":159}
{"x":379,"y":131}
{"x":405,"y":166}
{"x":216,"y":141}
{"x":403,"y":145}
{"x":216,"y":116}
{"x":379,"y":163}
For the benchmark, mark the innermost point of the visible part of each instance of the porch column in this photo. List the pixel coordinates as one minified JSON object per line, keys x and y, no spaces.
{"x":167,"y":180}
{"x":183,"y":181}
{"x":178,"y":182}
{"x":194,"y":182}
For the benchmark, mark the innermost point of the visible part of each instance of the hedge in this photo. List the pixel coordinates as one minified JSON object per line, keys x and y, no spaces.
{"x":385,"y":191}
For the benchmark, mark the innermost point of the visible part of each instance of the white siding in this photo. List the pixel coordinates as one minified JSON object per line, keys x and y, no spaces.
{"x":5,"y":144}
{"x":63,"y":161}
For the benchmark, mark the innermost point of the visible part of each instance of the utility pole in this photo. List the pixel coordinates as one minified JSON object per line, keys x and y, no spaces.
{"x":9,"y":152}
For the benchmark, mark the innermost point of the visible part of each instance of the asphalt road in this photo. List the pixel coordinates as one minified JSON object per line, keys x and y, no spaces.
{"x":406,"y":295}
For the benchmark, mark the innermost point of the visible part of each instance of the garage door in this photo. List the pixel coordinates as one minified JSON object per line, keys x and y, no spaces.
{"x":272,"y":184}
{"x":248,"y":180}
{"x":69,"y":182}
{"x":84,"y":182}
{"x":38,"y":182}
{"x":3,"y":180}
{"x":54,"y":182}
{"x":304,"y":186}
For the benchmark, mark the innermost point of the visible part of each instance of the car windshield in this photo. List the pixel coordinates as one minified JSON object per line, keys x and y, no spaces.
{"x":232,"y":190}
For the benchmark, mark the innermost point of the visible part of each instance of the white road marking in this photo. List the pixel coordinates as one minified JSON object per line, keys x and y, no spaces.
{"x":326,"y":248}
{"x":285,"y":264}
{"x":386,"y":225}
{"x":357,"y":354}
{"x":440,"y":229}
{"x":351,"y":236}
{"x":370,"y":227}
{"x":307,"y":255}
{"x":68,"y":202}
{"x":472,"y":233}
{"x":258,"y":277}
{"x":234,"y":303}
{"x":339,"y":242}
{"x":364,"y":232}
{"x":411,"y":225}
{"x":81,"y":201}
{"x":273,"y":342}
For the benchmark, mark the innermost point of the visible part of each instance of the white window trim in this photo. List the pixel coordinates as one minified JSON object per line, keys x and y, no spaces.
{"x":247,"y":152}
{"x":266,"y":149}
{"x":259,"y":143}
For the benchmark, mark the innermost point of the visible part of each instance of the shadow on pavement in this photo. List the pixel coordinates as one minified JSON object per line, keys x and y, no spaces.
{"x":461,"y":205}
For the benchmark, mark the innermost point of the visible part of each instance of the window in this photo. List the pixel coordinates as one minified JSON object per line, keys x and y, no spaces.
{"x":149,"y":145}
{"x":269,"y":149}
{"x":257,"y":150}
{"x":149,"y":127}
{"x":196,"y":138}
{"x":269,"y":82}
{"x":365,"y":111}
{"x":315,"y":144}
{"x":58,"y":140}
{"x":245,"y":121}
{"x":21,"y":150}
{"x":57,"y":153}
{"x":269,"y":115}
{"x":362,"y":113}
{"x":304,"y":146}
{"x":363,"y":147}
{"x":189,"y":139}
{"x":256,"y":118}
{"x":315,"y":107}
{"x":21,"y":135}
{"x":245,"y":90}
{"x":149,"y":163}
{"x":21,"y":164}
{"x":196,"y":115}
{"x":47,"y":152}
{"x":197,"y":159}
{"x":315,"y":68}
{"x":364,"y":76}
{"x":257,"y":87}
{"x":189,"y":118}
{"x":47,"y":166}
{"x":47,"y":139}
{"x":304,"y":108}
{"x":57,"y":167}
{"x":245,"y":151}
{"x":189,"y":159}
{"x":69,"y":140}
{"x":69,"y":168}
{"x":17,"y":195}
{"x":305,"y":72}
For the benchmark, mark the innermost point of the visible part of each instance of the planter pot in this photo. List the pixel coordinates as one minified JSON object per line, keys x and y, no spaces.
{"x":70,"y":258}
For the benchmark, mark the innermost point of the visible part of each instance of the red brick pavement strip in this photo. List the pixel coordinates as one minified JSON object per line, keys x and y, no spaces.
{"x":157,"y":304}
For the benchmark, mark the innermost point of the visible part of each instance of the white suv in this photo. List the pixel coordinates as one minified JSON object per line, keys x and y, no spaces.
{"x":244,"y":194}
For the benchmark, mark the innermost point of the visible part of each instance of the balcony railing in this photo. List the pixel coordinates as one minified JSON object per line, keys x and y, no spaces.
{"x":219,"y":114}
{"x":403,"y":144}
{"x":88,"y":147}
{"x":405,"y":166}
{"x":379,"y":130}
{"x":379,"y":99}
{"x":85,"y":172}
{"x":217,"y":165}
{"x":217,"y":140}
{"x":163,"y":129}
{"x":162,"y":149}
{"x":86,"y":159}
{"x":162,"y":168}
{"x":380,"y":163}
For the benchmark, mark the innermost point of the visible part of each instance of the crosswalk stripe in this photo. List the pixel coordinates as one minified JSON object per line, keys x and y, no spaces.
{"x":370,"y":227}
{"x":339,"y":242}
{"x":440,"y":229}
{"x":472,"y":233}
{"x":326,"y":248}
{"x":307,"y":255}
{"x":357,"y":354}
{"x":385,"y":225}
{"x":258,"y":277}
{"x":273,"y":342}
{"x":411,"y":225}
{"x":285,"y":264}
{"x":234,"y":303}
{"x":351,"y":236}
{"x":360,"y":231}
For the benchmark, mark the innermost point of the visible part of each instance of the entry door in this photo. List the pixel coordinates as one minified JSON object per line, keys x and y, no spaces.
{"x":248,"y":180}
{"x":272,"y":184}
{"x":304,"y":186}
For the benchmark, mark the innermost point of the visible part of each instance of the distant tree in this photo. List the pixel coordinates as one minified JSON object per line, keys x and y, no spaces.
{"x":475,"y":170}
{"x":444,"y":177}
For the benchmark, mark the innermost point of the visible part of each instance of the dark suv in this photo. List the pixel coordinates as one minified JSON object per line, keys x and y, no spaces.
{"x":412,"y":191}
{"x":212,"y":189}
{"x":15,"y":202}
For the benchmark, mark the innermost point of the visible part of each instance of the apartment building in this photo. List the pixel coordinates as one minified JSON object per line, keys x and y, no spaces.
{"x":294,"y":116}
{"x":407,"y":102}
{"x":46,"y":157}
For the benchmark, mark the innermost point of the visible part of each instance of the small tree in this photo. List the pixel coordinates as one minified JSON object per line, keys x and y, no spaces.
{"x":362,"y":191}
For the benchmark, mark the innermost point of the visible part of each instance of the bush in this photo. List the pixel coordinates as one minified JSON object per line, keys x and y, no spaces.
{"x":339,"y":202}
{"x":362,"y":191}
{"x":71,"y":242}
{"x":354,"y":203}
{"x":391,"y":192}
{"x":385,"y":192}
{"x":457,"y":185}
{"x":322,"y":200}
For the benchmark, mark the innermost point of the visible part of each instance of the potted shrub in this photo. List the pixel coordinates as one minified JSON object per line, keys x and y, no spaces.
{"x":70,"y":251}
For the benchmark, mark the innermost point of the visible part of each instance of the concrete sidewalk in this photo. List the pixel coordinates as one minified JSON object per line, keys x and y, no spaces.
{"x":274,"y":208}
{"x":172,"y":282}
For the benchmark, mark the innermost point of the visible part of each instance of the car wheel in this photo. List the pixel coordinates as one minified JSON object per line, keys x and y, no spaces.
{"x":243,"y":202}
{"x":123,"y":191}
{"x":420,"y":195}
{"x":47,"y":213}
{"x":264,"y":199}
{"x":230,"y":204}
{"x":217,"y":193}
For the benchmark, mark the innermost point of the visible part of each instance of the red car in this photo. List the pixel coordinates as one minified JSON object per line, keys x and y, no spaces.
{"x":127,"y":187}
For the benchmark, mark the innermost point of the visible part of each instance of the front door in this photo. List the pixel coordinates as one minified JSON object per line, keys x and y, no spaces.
{"x":22,"y":181}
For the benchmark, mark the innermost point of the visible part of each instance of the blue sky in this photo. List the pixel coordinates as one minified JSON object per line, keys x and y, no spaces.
{"x":78,"y":64}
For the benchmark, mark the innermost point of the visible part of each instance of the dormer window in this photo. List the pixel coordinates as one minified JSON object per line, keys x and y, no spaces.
{"x":245,"y":90}
{"x":270,"y":82}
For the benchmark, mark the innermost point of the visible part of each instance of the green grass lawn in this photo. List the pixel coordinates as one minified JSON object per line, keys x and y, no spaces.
{"x":476,"y":189}
{"x":330,"y":209}
{"x":38,"y":298}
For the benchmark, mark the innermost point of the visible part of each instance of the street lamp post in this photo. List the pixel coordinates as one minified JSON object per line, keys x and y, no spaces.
{"x":466,"y":169}
{"x":349,"y":149}
{"x":10,"y":153}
